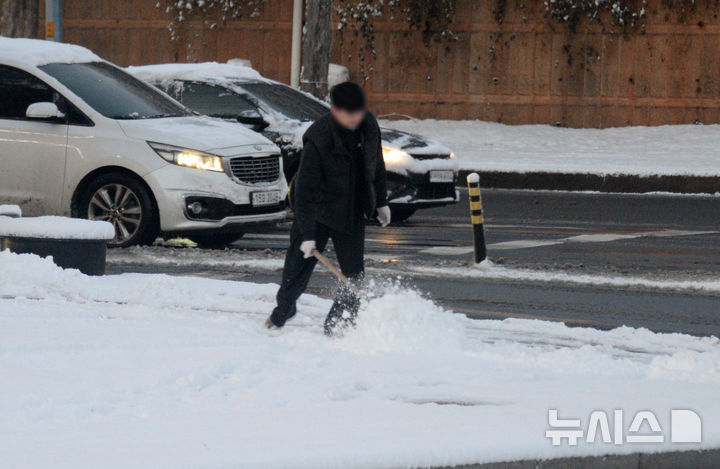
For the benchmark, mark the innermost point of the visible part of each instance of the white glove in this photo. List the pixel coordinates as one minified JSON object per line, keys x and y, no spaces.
{"x":383,"y":215}
{"x":307,"y":247}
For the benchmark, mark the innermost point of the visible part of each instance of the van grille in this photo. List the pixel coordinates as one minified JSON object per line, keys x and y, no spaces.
{"x":256,"y":170}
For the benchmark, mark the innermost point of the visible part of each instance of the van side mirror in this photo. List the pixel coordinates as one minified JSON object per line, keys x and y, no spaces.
{"x":43,"y":111}
{"x":253,"y":120}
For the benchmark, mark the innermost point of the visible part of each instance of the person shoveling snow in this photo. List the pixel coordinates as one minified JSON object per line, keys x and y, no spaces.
{"x":341,"y":180}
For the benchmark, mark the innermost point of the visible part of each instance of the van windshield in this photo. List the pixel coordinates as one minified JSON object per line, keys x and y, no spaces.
{"x":114,"y":93}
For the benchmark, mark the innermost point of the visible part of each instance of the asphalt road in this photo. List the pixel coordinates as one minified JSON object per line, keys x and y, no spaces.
{"x":659,"y":237}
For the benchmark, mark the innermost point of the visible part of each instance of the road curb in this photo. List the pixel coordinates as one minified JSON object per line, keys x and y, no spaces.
{"x":594,"y":182}
{"x":704,"y":459}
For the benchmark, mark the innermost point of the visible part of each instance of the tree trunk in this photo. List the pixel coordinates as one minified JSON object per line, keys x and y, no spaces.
{"x":316,"y":48}
{"x":19,"y":18}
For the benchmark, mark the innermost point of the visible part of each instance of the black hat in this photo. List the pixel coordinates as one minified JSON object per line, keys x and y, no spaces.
{"x":348,"y":96}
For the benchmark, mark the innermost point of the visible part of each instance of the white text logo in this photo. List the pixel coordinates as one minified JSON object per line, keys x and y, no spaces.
{"x":685,"y":427}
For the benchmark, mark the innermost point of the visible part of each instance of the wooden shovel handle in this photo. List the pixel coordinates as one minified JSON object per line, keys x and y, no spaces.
{"x":326,"y":262}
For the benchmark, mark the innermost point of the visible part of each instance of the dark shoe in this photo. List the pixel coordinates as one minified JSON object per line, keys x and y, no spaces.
{"x":278,"y":316}
{"x":269,"y":324}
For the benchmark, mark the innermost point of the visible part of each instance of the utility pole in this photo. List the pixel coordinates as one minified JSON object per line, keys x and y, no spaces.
{"x":316,"y":48}
{"x":53,"y":20}
{"x":296,"y":43}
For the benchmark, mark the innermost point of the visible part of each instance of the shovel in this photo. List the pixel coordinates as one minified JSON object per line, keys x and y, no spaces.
{"x":329,"y":265}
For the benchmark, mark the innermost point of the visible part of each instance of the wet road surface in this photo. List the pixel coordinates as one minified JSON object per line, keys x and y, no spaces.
{"x":657,"y":237}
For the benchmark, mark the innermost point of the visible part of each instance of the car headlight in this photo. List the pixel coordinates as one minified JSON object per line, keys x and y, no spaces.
{"x":394,"y":155}
{"x":452,"y":155}
{"x":188,"y":158}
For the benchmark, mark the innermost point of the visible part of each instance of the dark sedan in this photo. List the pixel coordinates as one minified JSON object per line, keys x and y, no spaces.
{"x":421,"y":172}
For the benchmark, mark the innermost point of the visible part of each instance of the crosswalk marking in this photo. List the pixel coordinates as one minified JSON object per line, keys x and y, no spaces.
{"x":585,"y":238}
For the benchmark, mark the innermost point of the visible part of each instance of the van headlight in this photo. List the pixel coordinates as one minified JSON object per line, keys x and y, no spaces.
{"x":394,"y":155}
{"x":188,"y":158}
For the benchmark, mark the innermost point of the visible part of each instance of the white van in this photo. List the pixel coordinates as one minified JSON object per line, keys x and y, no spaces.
{"x":81,"y":137}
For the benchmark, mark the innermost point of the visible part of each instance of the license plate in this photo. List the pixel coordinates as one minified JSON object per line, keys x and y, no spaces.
{"x":265,"y":198}
{"x":442,"y":176}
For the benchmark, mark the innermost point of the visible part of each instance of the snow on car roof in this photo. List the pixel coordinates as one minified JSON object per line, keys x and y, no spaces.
{"x":39,"y":52}
{"x":206,"y":71}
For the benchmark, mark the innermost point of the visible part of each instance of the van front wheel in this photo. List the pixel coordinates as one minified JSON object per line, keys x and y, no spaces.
{"x":124,"y":202}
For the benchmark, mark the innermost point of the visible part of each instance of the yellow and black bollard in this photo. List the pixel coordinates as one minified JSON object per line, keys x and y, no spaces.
{"x":476,"y":216}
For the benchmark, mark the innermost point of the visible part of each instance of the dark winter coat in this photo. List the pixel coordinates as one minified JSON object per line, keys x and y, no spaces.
{"x":323,"y":187}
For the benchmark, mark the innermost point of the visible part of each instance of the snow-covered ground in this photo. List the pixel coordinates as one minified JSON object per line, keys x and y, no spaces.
{"x":488,"y":146}
{"x":144,"y":370}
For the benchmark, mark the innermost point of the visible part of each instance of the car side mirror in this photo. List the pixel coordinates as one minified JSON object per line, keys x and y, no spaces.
{"x":43,"y":111}
{"x":253,"y":120}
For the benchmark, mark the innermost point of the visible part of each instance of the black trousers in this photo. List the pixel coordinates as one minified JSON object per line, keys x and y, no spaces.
{"x":350,"y":251}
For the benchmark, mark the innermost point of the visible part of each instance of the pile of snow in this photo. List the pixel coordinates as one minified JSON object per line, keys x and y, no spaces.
{"x":56,"y":227}
{"x":337,"y":74}
{"x":10,"y":210}
{"x":240,"y":62}
{"x":157,"y":371}
{"x":664,"y":150}
{"x":37,"y":52}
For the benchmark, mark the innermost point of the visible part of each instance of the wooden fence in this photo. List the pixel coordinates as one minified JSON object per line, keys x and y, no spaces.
{"x":527,"y":69}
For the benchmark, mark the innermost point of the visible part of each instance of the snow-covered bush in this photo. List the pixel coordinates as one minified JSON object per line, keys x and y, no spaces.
{"x":355,"y":20}
{"x":622,"y":12}
{"x":221,"y":10}
{"x":432,"y":17}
